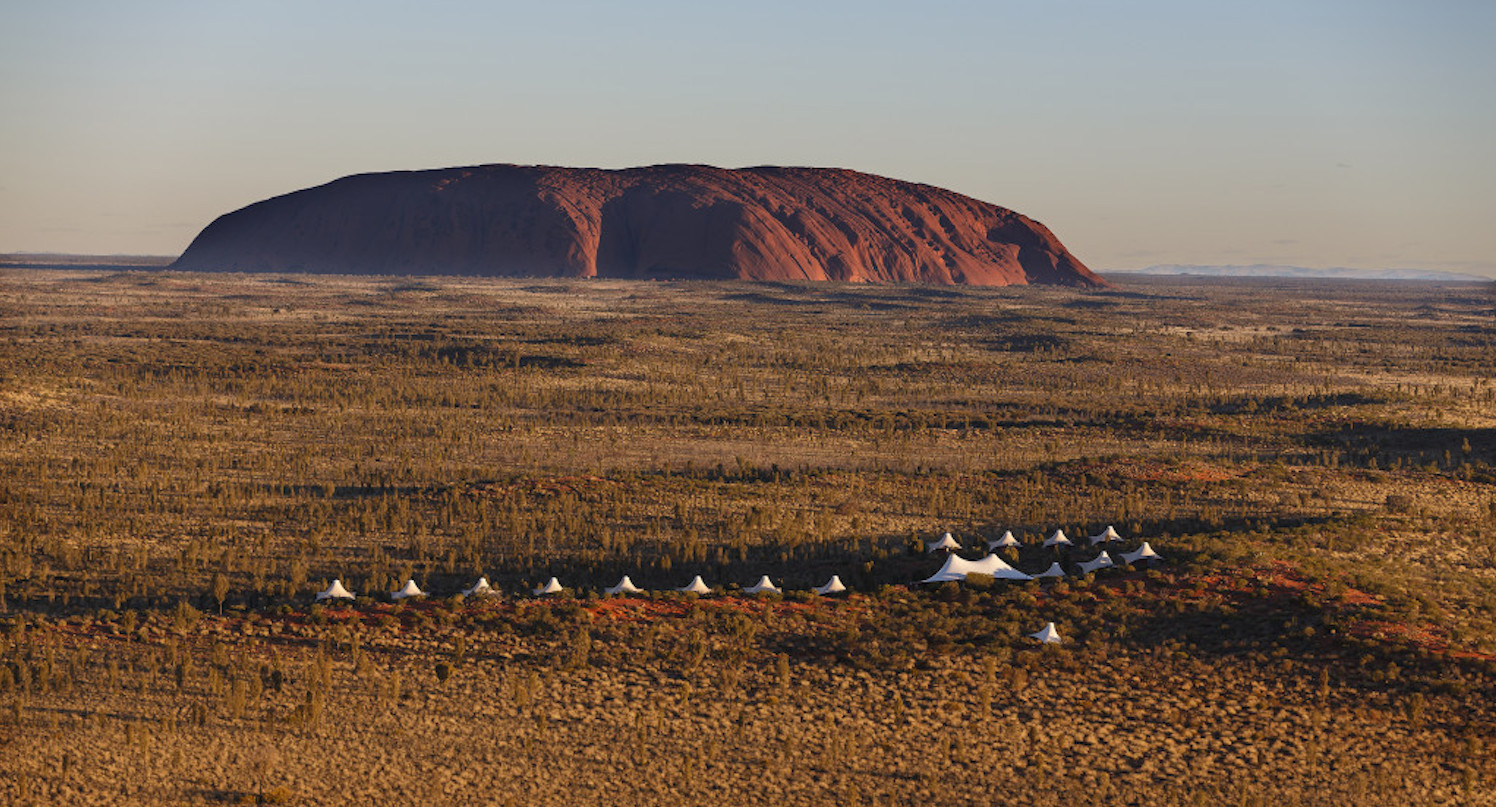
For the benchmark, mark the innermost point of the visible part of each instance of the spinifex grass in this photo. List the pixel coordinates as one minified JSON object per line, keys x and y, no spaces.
{"x":1313,"y":460}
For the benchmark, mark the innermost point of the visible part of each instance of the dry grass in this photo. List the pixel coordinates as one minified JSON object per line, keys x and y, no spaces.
{"x":745,"y":702}
{"x":1315,"y":460}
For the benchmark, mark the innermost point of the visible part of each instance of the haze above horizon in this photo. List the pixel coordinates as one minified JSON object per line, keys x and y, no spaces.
{"x":1336,"y":133}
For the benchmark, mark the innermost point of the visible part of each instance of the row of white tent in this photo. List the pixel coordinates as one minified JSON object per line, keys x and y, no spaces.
{"x":699,"y":586}
{"x":337,"y":591}
{"x":1058,"y":538}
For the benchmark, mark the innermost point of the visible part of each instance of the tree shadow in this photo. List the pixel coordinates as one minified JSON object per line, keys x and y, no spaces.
{"x":1411,"y":444}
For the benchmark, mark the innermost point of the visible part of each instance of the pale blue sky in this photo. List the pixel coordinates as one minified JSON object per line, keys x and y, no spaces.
{"x":1312,"y":133}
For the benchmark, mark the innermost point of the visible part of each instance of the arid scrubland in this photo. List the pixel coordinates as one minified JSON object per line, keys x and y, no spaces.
{"x":186,"y":459}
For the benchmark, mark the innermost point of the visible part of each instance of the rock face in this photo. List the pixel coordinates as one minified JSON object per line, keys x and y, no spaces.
{"x":663,"y":222}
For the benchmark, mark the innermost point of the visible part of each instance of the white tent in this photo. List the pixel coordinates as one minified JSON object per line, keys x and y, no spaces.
{"x":479,"y":588}
{"x":335,"y":592}
{"x":945,"y":542}
{"x":1005,"y":542}
{"x":1108,"y":534}
{"x":696,"y":586}
{"x":1047,"y":636}
{"x":957,"y":568}
{"x":833,"y":586}
{"x":1054,"y":570}
{"x":1102,"y":561}
{"x":410,"y":589}
{"x":763,"y":586}
{"x":625,"y":586}
{"x":1058,"y":539}
{"x":1144,"y":552}
{"x":552,"y":586}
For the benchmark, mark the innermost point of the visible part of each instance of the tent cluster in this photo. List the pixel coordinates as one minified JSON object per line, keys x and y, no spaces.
{"x":956,"y":568}
{"x":337,"y":591}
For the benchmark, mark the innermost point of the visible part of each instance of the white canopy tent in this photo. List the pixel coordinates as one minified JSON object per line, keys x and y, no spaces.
{"x":763,"y":586}
{"x":946,"y":542}
{"x":696,"y":586}
{"x":1142,"y":553}
{"x":335,"y":592}
{"x":1057,"y":539}
{"x":625,"y":586}
{"x":1054,"y":570}
{"x":479,"y":589}
{"x":552,"y":586}
{"x":1108,"y":534}
{"x":410,"y":589}
{"x":833,"y":586}
{"x":957,"y":568}
{"x":1102,"y":561}
{"x":1047,"y":636}
{"x":1005,"y":542}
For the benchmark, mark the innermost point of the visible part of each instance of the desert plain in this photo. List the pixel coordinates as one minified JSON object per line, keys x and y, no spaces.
{"x":186,"y":459}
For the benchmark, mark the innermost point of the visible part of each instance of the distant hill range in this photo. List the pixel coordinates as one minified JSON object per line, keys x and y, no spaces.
{"x":1268,"y":270}
{"x":658,"y":222}
{"x":57,"y":260}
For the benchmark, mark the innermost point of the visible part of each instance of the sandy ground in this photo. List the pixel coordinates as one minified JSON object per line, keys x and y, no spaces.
{"x":1055,"y":726}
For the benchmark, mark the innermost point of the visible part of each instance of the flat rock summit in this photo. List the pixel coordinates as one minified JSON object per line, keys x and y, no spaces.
{"x":658,"y":222}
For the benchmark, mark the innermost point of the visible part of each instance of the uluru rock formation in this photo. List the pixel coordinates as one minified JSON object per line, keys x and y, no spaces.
{"x":664,"y":221}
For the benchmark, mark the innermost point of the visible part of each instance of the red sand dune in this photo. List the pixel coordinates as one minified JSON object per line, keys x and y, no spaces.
{"x":661,"y":222}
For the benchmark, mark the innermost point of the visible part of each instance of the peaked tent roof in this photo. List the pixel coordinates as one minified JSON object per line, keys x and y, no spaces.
{"x":410,"y":589}
{"x":763,"y":586}
{"x":552,"y":586}
{"x":335,"y":592}
{"x":833,"y":586}
{"x":1102,"y":561}
{"x":998,"y":568}
{"x":696,"y":586}
{"x":1048,"y":635}
{"x":1054,"y":570}
{"x":945,"y":542}
{"x":1108,"y":534}
{"x":1057,"y":539}
{"x":479,"y":588}
{"x":954,"y":568}
{"x":1144,"y":552}
{"x":957,"y":568}
{"x":1005,"y":542}
{"x":625,"y":586}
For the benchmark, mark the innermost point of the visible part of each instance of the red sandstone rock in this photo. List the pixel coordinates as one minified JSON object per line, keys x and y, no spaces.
{"x":664,"y":221}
